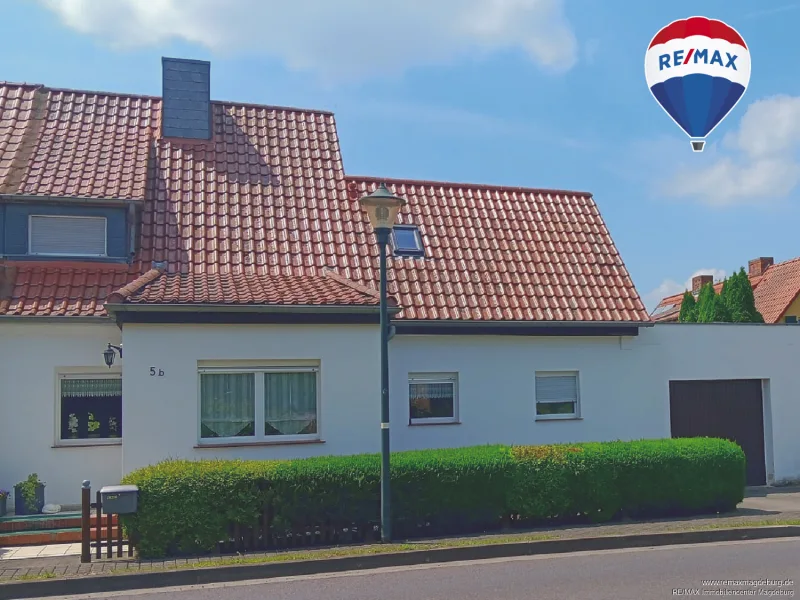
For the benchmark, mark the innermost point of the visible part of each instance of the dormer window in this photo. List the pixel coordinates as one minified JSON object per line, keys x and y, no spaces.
{"x":55,"y":235}
{"x":407,"y":241}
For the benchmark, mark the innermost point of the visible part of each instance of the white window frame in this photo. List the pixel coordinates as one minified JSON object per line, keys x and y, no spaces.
{"x":82,"y":374}
{"x":30,"y":235}
{"x":433,"y":378}
{"x":260,"y":437}
{"x":562,"y":417}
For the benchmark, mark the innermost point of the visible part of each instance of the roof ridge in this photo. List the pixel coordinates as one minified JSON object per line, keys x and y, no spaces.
{"x":159,"y":98}
{"x":21,"y":84}
{"x":125,"y":292}
{"x":27,"y":144}
{"x":486,"y":186}
{"x":328,"y":272}
{"x":786,"y":262}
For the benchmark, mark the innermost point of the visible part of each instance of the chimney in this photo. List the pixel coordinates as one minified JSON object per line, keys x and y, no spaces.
{"x":698,"y":281}
{"x":186,"y":104}
{"x":757,"y":266}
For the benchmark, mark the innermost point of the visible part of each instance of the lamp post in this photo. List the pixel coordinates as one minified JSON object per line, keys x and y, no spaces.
{"x":382,"y":207}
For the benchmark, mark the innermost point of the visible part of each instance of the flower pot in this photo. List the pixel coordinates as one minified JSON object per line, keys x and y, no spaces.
{"x":3,"y":508}
{"x":20,"y":507}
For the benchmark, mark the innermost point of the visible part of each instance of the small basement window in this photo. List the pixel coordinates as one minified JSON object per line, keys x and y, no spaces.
{"x":557,"y":395}
{"x":407,"y":241}
{"x":52,"y":235}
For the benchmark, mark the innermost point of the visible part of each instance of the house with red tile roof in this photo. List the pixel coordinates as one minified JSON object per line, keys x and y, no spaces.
{"x":182,"y":277}
{"x":776,"y":288}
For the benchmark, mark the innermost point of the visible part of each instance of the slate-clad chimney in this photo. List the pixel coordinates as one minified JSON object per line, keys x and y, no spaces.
{"x":186,"y":108}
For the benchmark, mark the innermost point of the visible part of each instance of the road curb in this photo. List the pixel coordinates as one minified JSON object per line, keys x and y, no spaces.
{"x":182,"y":577}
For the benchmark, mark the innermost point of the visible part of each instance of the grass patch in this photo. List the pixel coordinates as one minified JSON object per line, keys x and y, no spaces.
{"x":741,"y":524}
{"x":37,"y":576}
{"x":324,"y":553}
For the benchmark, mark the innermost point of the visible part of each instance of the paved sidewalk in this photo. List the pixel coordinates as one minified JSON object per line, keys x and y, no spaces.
{"x":48,"y":551}
{"x":760,"y":508}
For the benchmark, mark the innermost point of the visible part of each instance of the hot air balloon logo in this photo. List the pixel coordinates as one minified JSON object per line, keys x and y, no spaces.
{"x":697,"y":69}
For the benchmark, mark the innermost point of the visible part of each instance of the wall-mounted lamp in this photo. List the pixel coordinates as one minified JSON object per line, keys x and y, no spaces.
{"x":108,"y":354}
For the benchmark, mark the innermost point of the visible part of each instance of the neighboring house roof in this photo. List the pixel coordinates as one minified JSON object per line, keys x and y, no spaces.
{"x":777,"y":289}
{"x":774,"y":290}
{"x":260,"y":214}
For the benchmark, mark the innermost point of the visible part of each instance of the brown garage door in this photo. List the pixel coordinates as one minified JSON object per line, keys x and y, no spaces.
{"x":730,"y":409}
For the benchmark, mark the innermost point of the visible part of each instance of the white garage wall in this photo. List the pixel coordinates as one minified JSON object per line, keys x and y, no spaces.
{"x":740,"y":351}
{"x":624,"y":384}
{"x":31,"y":355}
{"x":163,"y":409}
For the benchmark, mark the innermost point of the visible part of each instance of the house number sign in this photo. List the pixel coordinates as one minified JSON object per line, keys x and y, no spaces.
{"x":156,"y":372}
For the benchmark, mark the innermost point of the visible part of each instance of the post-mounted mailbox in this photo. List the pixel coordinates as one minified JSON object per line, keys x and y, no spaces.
{"x":119,"y":499}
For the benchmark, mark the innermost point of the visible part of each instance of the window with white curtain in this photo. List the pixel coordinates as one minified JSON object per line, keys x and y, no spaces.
{"x":56,"y":235}
{"x":258,"y":404}
{"x":433,"y":398}
{"x":89,"y":408}
{"x":557,"y":395}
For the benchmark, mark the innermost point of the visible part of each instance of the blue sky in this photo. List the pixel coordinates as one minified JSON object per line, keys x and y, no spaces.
{"x":539,"y":93}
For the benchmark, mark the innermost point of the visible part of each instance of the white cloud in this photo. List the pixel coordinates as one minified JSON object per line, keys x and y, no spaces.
{"x":757,"y":163}
{"x":336,"y":38}
{"x":670,"y":287}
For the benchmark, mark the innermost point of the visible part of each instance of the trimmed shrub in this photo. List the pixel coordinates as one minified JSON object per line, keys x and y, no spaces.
{"x":189,"y":506}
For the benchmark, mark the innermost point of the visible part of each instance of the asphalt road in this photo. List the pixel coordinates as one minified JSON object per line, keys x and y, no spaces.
{"x":641,"y":574}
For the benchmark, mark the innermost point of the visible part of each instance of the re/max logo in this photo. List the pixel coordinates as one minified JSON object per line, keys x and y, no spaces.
{"x":686,"y":592}
{"x":678,"y":59}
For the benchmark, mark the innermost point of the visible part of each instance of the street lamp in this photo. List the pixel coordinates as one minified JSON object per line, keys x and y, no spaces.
{"x":382,"y":207}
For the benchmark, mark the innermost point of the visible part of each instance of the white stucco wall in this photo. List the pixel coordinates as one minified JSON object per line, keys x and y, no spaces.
{"x":496,"y":389}
{"x":624,"y":389}
{"x":624,"y":384}
{"x":745,"y":351}
{"x":162,"y":410}
{"x":31,"y":356}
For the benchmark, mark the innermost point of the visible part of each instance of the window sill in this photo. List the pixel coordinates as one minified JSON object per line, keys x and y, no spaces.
{"x":257,"y":444}
{"x":559,"y":418}
{"x":434,"y":424}
{"x":88,"y":444}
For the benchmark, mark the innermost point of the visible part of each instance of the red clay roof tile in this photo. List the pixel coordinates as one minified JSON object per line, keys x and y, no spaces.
{"x":261,"y":211}
{"x":249,"y":288}
{"x":505,"y":237}
{"x":63,"y":289}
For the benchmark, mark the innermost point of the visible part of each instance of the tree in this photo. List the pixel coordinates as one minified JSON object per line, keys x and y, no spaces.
{"x":710,"y":307}
{"x":737,"y":295}
{"x":688,"y":309}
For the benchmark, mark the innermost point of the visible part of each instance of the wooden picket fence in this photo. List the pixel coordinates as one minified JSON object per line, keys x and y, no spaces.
{"x":104,"y":530}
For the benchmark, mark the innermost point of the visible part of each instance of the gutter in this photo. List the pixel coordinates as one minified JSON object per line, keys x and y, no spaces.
{"x":70,"y":200}
{"x":248,"y":308}
{"x":521,"y":324}
{"x":54,"y":319}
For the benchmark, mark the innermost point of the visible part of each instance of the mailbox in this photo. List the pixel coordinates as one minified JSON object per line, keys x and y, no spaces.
{"x":119,"y":499}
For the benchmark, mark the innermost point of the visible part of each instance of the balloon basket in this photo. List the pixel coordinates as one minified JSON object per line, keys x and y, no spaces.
{"x":698,"y":145}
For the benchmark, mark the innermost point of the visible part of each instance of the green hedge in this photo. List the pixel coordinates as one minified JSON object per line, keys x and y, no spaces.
{"x":187,"y":506}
